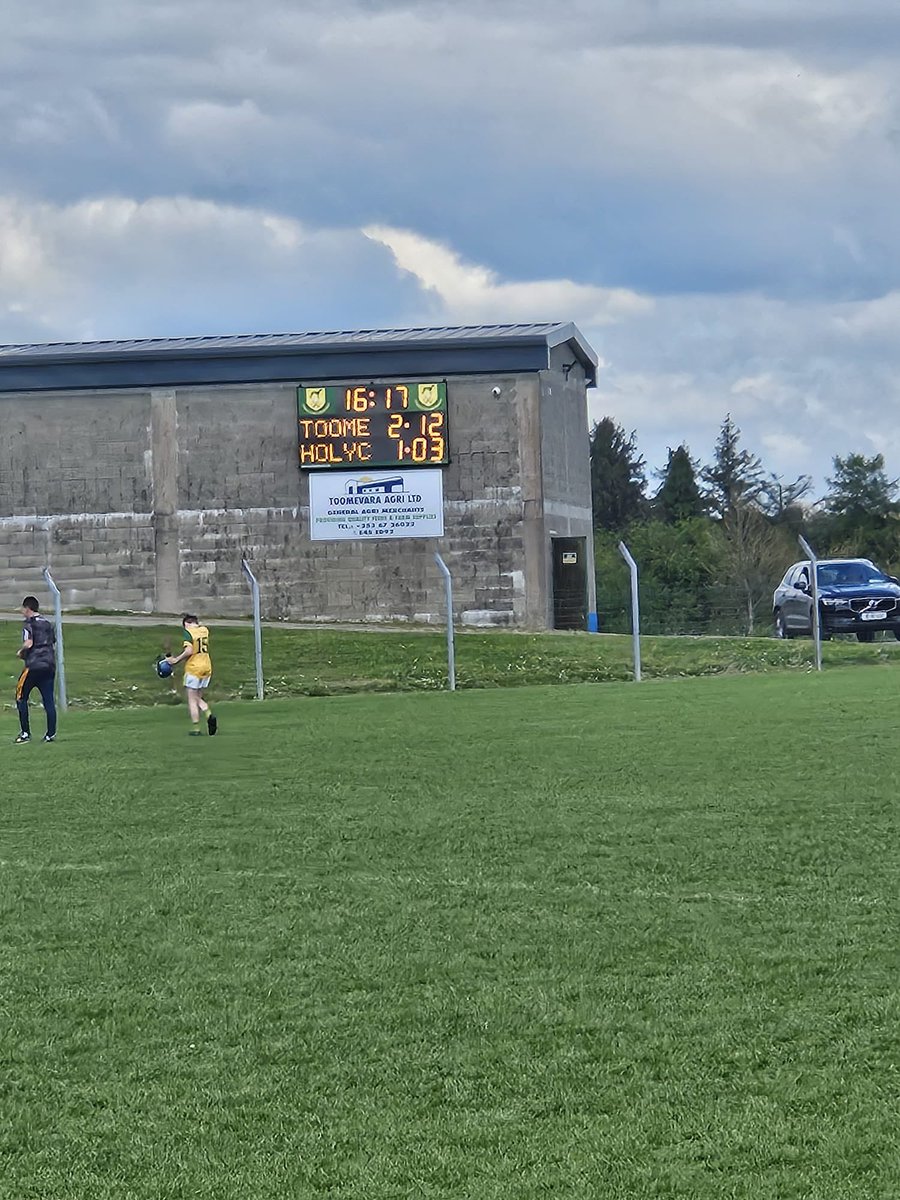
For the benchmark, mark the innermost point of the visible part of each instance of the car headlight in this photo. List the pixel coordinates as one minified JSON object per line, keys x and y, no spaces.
{"x":831,"y":603}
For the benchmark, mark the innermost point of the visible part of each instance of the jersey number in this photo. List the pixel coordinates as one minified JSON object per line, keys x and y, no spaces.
{"x":202,"y":645}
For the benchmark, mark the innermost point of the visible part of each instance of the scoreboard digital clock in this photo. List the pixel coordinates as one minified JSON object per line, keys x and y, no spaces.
{"x":373,"y":424}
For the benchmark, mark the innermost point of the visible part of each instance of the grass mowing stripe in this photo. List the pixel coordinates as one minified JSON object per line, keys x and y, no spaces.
{"x":620,"y":941}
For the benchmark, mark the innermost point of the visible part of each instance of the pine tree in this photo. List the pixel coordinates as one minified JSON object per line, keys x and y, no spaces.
{"x":617,"y":476}
{"x":678,"y":498}
{"x":735,"y":476}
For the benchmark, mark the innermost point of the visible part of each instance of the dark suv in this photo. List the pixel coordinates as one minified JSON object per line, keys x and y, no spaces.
{"x":854,"y":597}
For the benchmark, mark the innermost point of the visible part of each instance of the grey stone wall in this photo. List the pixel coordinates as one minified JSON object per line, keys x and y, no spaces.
{"x":78,"y":453}
{"x":76,"y":492}
{"x":566,"y":463}
{"x":147,"y":500}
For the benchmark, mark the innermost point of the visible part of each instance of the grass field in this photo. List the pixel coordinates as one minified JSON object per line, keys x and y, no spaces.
{"x":610,"y":941}
{"x":112,"y":665}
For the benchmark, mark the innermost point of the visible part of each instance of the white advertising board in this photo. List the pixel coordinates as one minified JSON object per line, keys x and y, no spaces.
{"x":359,"y":505}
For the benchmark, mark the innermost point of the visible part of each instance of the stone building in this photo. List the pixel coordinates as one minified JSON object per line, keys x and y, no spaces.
{"x":142,"y":472}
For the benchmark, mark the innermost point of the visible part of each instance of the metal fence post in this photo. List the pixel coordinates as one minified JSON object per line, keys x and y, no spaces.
{"x":448,"y":592}
{"x":814,"y":584}
{"x":635,"y":611}
{"x":257,"y":627}
{"x":60,"y":656}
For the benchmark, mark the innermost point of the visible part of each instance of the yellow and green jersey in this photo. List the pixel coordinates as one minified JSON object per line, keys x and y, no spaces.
{"x":199,"y":664}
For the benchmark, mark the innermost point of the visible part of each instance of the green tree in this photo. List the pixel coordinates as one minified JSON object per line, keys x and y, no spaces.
{"x":678,"y":498}
{"x":860,"y":492}
{"x":678,"y":565}
{"x":861,"y":515}
{"x":617,"y":476}
{"x":735,"y":476}
{"x":613,"y":583}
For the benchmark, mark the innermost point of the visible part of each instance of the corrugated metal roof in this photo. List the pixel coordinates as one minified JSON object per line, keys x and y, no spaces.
{"x":238,"y":343}
{"x":43,"y":366}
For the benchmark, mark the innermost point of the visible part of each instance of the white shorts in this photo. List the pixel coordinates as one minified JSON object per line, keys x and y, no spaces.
{"x":192,"y":681}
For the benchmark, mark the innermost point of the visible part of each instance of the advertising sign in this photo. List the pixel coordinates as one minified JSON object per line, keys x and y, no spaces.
{"x":345,"y":506}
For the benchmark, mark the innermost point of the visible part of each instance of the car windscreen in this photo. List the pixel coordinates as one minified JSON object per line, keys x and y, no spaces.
{"x":850,"y":575}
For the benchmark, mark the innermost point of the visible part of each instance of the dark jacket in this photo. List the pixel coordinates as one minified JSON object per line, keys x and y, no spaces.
{"x":42,"y":655}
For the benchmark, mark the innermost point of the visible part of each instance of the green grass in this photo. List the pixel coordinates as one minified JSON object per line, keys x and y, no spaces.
{"x":112,"y":665}
{"x":621,"y":941}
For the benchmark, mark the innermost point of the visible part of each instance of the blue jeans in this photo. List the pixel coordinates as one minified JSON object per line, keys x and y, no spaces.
{"x":43,"y":681}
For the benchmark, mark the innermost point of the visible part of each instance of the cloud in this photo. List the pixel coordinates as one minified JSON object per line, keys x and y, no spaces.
{"x":708,"y":189}
{"x":784,"y":449}
{"x":635,"y":145}
{"x":117,"y":267}
{"x":804,"y":380}
{"x":800,"y":393}
{"x":202,"y":121}
{"x":109,"y":263}
{"x":471,"y":294}
{"x":874,"y":321}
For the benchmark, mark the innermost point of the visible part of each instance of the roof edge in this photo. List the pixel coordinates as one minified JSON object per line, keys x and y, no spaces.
{"x":570,"y":333}
{"x":191,"y":358}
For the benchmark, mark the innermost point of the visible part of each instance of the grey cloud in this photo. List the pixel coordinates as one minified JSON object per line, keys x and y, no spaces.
{"x":738,"y":162}
{"x":805,"y":381}
{"x":113,"y":267}
{"x":672,"y":165}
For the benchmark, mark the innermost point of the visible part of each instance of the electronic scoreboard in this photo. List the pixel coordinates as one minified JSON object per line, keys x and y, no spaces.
{"x":373,"y":424}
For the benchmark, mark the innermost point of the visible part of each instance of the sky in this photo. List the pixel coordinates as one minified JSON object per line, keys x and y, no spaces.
{"x":709,"y":190}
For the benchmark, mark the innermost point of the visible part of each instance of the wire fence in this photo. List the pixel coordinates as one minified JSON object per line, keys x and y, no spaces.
{"x":673,"y":604}
{"x":256,"y":586}
{"x":717,"y":611}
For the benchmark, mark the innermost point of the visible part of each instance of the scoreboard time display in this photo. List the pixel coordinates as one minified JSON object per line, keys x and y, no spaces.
{"x":373,"y":424}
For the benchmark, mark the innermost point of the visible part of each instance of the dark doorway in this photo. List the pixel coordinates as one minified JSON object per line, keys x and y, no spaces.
{"x":569,"y":583}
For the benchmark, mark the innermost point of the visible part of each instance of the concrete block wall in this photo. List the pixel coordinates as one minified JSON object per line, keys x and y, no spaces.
{"x":259,"y":507}
{"x":147,"y":500}
{"x":76,"y":494}
{"x":97,"y":560}
{"x":75,"y":453}
{"x":565,"y":462}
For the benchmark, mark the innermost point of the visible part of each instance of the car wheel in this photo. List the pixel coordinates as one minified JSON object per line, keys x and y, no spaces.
{"x":781,"y":629}
{"x":866,"y":635}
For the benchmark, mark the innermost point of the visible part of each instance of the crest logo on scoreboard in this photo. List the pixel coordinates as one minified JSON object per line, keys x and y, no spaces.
{"x":429,"y":395}
{"x":315,"y":399}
